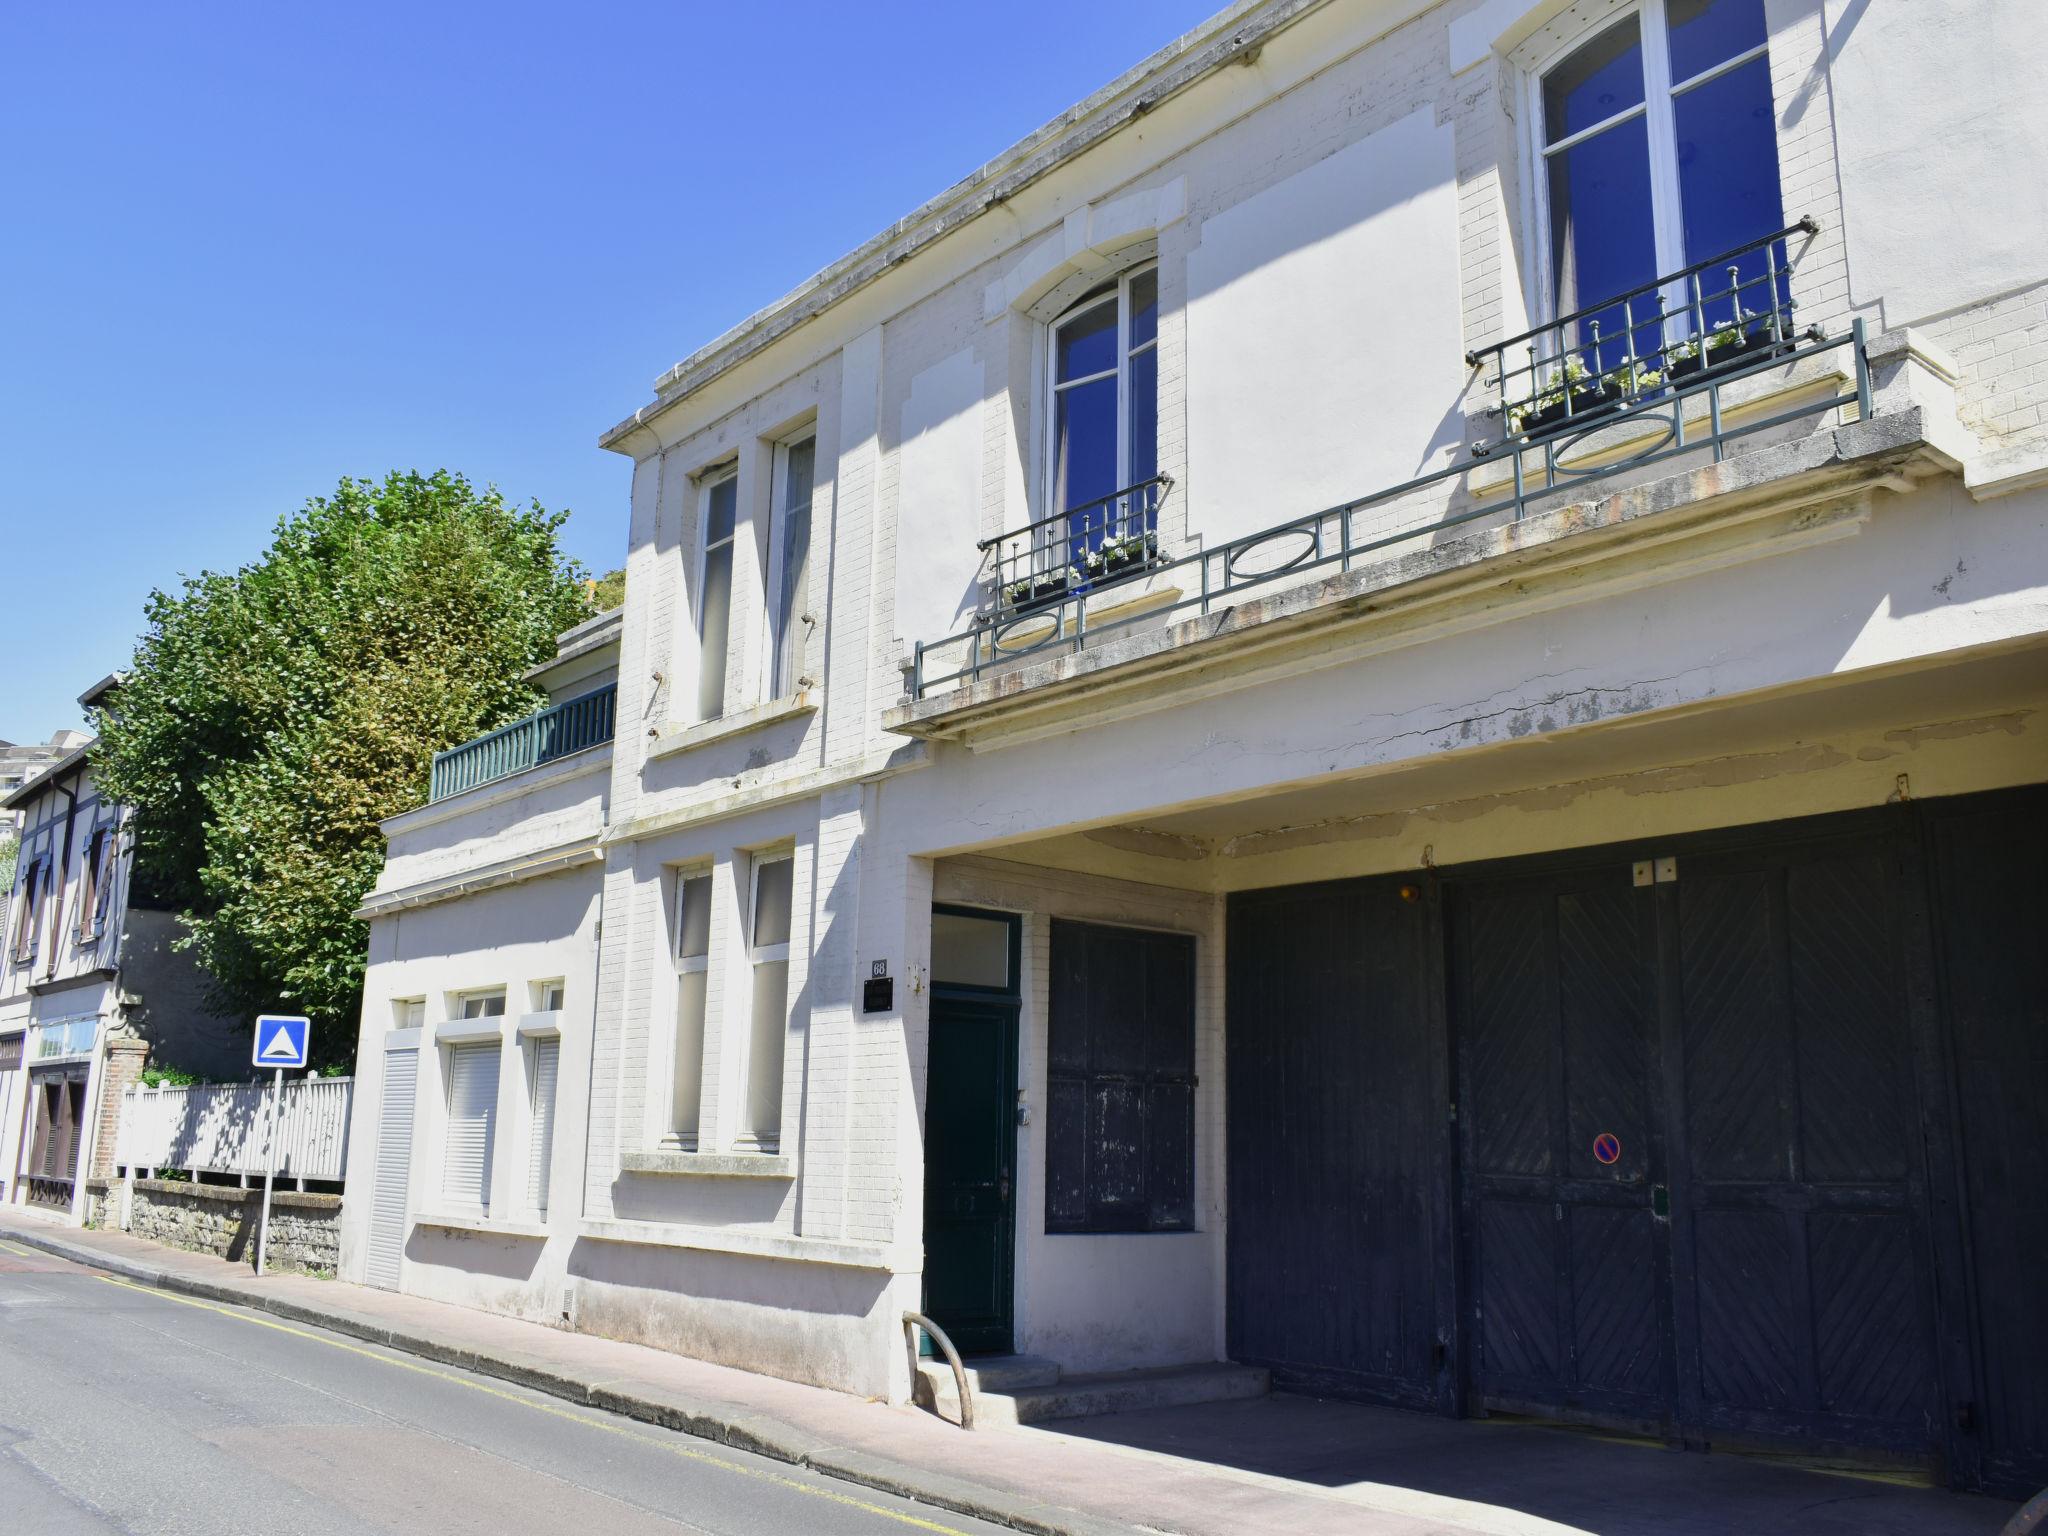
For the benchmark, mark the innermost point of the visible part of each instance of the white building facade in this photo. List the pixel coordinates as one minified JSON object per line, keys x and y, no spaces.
{"x":1373,"y":709}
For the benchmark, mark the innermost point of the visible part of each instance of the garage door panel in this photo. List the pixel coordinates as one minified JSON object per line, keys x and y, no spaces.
{"x":1519,"y":1266}
{"x":1617,"y":1333}
{"x":1851,"y":1033}
{"x":1605,"y":1015}
{"x":1749,"y":1325}
{"x":1870,"y":1335}
{"x":1737,"y":1060}
{"x":1507,"y":1040}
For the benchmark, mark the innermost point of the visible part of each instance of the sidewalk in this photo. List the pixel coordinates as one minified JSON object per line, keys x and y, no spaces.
{"x":1113,"y":1474}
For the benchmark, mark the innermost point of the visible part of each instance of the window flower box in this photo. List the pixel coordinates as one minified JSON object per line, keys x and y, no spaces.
{"x":1728,"y":345}
{"x":1038,"y":590}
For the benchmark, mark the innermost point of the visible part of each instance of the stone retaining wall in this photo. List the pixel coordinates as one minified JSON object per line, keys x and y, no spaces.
{"x":305,"y":1229}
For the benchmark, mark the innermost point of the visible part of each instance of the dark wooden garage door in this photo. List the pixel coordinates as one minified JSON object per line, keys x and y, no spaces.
{"x":1693,"y":1180}
{"x":1339,"y":1190}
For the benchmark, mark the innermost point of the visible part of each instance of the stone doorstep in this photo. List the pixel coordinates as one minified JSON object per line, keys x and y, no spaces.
{"x":722,"y":1423}
{"x":1020,"y":1391}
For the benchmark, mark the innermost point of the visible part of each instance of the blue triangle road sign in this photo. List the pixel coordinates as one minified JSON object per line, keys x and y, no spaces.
{"x":281,"y":1040}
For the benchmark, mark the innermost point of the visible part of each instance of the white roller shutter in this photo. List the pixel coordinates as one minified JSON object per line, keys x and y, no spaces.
{"x":472,"y":1118}
{"x":394,"y":1168}
{"x":547,"y":1057}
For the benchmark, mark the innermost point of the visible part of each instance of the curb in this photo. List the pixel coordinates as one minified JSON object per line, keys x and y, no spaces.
{"x":737,"y":1428}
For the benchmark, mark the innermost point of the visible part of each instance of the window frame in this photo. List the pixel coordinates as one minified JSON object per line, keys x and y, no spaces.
{"x":1118,"y":289}
{"x":543,"y":990}
{"x":774,"y":684}
{"x":751,"y":1139}
{"x":1660,"y":91}
{"x":671,"y":1134}
{"x":709,"y":479}
{"x":480,"y":995}
{"x":478,"y":1050}
{"x":93,"y":884}
{"x":1098,"y":1219}
{"x":27,"y":936}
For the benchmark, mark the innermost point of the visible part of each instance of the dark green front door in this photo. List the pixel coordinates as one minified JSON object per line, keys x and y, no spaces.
{"x":970,"y":1149}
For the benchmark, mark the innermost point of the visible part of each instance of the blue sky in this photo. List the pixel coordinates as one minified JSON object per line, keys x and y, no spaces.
{"x":252,"y":249}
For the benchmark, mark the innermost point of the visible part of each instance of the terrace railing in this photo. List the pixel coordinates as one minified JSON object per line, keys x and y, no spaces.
{"x":1534,"y":463}
{"x":575,"y":725}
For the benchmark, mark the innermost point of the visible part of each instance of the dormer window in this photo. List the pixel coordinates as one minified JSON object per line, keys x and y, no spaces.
{"x":1659,"y":147}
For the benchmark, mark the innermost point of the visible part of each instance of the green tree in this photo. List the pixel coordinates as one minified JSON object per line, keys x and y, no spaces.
{"x":608,"y":591}
{"x":273,"y":717}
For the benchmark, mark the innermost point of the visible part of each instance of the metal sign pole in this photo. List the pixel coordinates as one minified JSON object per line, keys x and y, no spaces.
{"x":269,"y":1168}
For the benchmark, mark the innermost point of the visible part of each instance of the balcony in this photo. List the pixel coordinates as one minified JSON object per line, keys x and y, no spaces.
{"x":1680,"y":373}
{"x":562,"y":730}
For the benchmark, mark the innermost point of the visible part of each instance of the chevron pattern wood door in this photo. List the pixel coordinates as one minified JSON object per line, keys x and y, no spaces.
{"x":1754,"y":1262}
{"x":1801,"y":1198}
{"x":1553,"y":1000}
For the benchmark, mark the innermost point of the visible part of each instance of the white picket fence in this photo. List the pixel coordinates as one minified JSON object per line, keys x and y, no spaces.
{"x":220,"y":1128}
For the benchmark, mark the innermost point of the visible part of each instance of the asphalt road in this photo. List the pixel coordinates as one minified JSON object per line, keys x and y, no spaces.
{"x":126,"y":1409}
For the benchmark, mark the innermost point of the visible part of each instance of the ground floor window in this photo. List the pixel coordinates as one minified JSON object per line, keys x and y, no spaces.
{"x":1120,"y":1144}
{"x":472,"y":1123}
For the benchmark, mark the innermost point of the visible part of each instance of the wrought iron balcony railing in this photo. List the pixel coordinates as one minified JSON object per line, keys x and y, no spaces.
{"x":1731,"y":310}
{"x":1084,"y":548}
{"x":1537,"y":463}
{"x":574,"y":725}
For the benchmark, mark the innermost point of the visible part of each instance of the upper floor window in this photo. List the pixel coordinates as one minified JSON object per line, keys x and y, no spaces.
{"x":483,"y":1005}
{"x":790,"y":562}
{"x":1104,"y":421}
{"x":718,"y":515}
{"x":1659,"y":143}
{"x":34,"y":878}
{"x":94,"y":884}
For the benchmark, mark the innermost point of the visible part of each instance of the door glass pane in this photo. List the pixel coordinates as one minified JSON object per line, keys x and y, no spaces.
{"x":1601,"y":240}
{"x":686,"y":1088}
{"x":716,"y":613}
{"x":772,"y":884}
{"x":693,"y":933}
{"x":1144,"y":418}
{"x":1084,"y":463}
{"x":1705,"y":32}
{"x":720,"y":506}
{"x":1600,"y":79}
{"x":1087,"y":343}
{"x":1144,"y":308}
{"x":970,"y":951}
{"x":798,"y":472}
{"x":1728,"y":182}
{"x":764,"y":1061}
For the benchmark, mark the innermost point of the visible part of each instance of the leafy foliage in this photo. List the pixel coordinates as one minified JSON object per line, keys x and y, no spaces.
{"x":273,"y":717}
{"x":10,"y":850}
{"x":608,"y":591}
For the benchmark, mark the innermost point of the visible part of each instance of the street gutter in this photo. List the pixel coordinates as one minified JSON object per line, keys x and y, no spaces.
{"x":761,"y":1434}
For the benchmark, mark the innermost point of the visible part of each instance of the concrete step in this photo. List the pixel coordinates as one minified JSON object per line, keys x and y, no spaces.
{"x":987,"y":1375}
{"x":1073,"y":1397}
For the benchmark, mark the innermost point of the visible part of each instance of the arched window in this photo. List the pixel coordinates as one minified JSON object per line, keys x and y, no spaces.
{"x":1103,"y":437}
{"x":1659,"y":147}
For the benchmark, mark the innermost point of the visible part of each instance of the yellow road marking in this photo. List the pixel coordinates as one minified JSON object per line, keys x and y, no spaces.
{"x":545,"y":1407}
{"x":26,"y":1253}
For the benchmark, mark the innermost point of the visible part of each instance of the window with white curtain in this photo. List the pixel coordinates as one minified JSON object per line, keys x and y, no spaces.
{"x":546,"y":1062}
{"x":472,"y":1123}
{"x":1659,"y":145}
{"x":718,"y":516}
{"x":768,"y":953}
{"x":790,"y":559}
{"x":693,"y":963}
{"x":1104,"y":422}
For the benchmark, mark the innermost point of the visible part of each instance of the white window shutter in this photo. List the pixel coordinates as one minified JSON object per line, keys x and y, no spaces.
{"x":547,"y":1057}
{"x":472,"y":1118}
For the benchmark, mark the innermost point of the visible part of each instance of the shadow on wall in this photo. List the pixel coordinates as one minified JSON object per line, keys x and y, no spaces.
{"x":800,"y":1321}
{"x":474,"y":1253}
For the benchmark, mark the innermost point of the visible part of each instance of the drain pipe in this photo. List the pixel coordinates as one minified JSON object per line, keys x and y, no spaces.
{"x":912,"y":1321}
